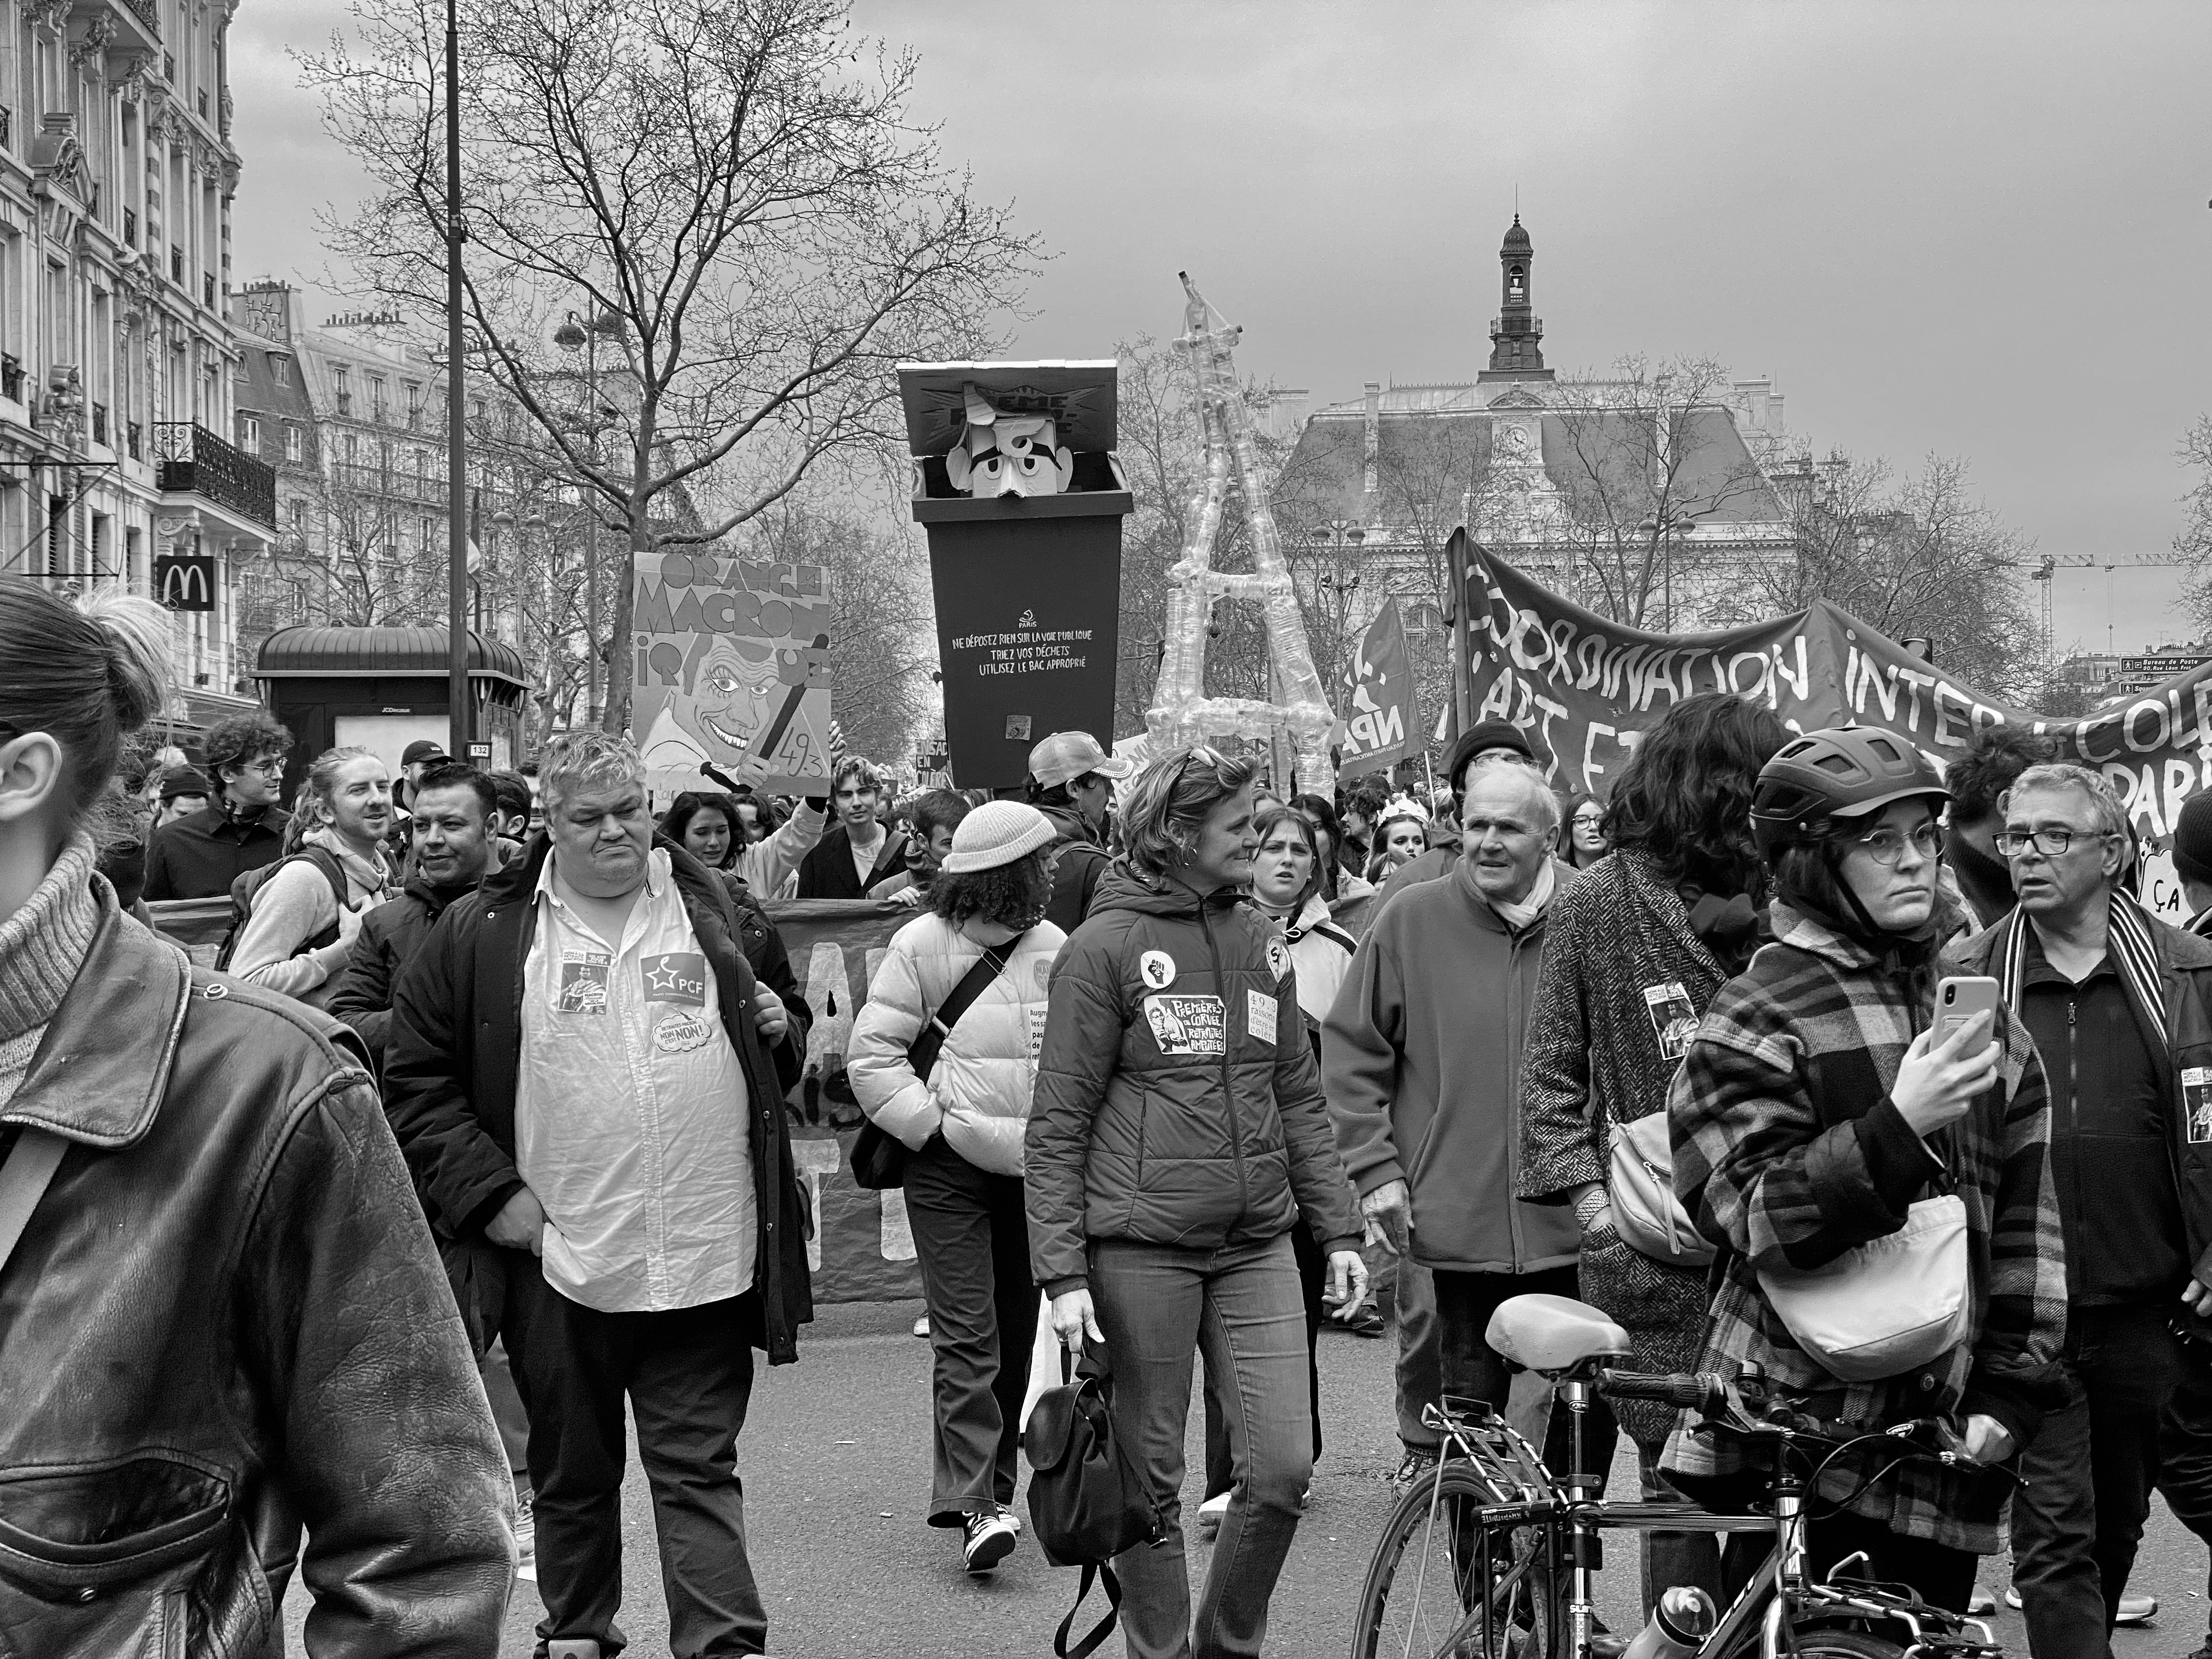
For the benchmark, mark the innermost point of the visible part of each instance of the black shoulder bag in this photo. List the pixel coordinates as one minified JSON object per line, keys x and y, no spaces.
{"x":1086,"y":1503}
{"x":878,"y":1160}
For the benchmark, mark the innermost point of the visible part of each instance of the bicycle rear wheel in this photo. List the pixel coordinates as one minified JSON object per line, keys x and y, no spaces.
{"x":1423,"y":1597}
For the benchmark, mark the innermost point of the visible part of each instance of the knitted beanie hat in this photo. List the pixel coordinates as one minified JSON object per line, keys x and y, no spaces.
{"x":998,"y":832}
{"x":2192,"y":839}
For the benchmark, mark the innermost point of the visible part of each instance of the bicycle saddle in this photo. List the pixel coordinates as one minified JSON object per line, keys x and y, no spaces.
{"x":1553,"y":1333}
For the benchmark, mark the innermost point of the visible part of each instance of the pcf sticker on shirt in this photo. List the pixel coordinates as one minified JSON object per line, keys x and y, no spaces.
{"x":1187,"y":1025}
{"x":2197,"y":1100}
{"x":679,"y":1033}
{"x":583,"y":985}
{"x":1157,"y":969}
{"x":1673,"y":1017}
{"x":1260,"y":1015}
{"x":680,"y":976}
{"x":1279,"y":956}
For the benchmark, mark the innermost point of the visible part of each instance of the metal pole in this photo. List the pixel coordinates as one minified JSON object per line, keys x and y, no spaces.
{"x":594,"y":701}
{"x":460,"y":711}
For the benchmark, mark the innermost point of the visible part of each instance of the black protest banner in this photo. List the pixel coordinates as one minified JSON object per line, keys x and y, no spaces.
{"x":1586,"y":689}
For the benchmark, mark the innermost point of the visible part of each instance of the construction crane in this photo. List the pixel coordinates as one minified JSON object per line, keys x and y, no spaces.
{"x":2049,"y":563}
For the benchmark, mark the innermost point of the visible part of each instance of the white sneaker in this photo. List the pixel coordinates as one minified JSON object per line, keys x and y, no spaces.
{"x":1980,"y":1603}
{"x":525,"y":1543}
{"x":1210,"y":1513}
{"x":922,"y":1326}
{"x":2132,"y":1610}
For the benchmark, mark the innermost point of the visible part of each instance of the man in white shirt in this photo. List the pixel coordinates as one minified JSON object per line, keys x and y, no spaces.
{"x":860,"y":854}
{"x":587,"y":1081}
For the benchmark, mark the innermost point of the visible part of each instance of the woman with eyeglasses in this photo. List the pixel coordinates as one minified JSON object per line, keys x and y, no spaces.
{"x":1177,"y":1135}
{"x":1816,"y":1105}
{"x":1582,"y":830}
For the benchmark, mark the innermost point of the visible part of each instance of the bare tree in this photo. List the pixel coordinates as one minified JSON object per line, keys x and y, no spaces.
{"x":1921,"y":556}
{"x":349,"y":558}
{"x":1644,"y":448}
{"x":731,"y":188}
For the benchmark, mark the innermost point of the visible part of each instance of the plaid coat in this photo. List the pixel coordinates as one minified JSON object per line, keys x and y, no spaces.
{"x":1593,"y":1061}
{"x":1788,"y":1148}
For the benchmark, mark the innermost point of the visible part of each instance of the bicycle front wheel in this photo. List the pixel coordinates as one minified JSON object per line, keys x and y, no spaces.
{"x":1424,"y":1597}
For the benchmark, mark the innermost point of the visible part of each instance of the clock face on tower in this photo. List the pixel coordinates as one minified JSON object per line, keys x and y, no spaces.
{"x":1514,"y":441}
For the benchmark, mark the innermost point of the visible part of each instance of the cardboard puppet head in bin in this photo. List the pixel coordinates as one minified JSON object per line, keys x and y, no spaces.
{"x":1002,"y":454}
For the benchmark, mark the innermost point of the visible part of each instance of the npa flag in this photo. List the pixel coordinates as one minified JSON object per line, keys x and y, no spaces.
{"x":1381,"y":716}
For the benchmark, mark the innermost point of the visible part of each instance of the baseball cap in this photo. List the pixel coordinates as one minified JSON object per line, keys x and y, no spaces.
{"x":421,"y":750}
{"x":1066,"y":756}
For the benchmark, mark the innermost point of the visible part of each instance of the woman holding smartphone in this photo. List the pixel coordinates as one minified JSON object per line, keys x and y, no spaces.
{"x":1816,"y":1104}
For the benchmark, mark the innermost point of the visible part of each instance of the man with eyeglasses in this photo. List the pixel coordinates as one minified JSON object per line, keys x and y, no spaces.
{"x":2120,"y":1007}
{"x":201,"y":854}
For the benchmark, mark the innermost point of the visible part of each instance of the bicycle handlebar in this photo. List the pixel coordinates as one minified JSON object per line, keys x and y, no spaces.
{"x":1684,"y":1389}
{"x":1746,"y":1406}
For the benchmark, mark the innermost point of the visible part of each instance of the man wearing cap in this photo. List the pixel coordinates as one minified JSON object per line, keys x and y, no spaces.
{"x":1483,"y":739}
{"x":184,"y":790}
{"x":1071,"y":782}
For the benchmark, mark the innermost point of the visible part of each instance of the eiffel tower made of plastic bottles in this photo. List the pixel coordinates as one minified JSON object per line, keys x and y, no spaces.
{"x":1181,"y":713}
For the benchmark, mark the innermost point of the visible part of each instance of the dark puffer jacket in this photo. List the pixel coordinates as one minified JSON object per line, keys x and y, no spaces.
{"x":1177,"y":1100}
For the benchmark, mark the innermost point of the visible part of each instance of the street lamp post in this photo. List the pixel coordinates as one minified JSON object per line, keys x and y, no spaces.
{"x":459,"y":707}
{"x":573,"y":334}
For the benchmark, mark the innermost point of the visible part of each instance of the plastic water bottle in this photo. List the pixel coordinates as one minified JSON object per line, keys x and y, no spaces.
{"x":1683,"y":1619}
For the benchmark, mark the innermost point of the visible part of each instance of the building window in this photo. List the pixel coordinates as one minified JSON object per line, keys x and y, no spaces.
{"x":291,"y":443}
{"x":253,"y":434}
{"x":279,"y":369}
{"x":352,"y":448}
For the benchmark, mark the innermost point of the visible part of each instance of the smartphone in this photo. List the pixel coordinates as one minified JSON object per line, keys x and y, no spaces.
{"x":1959,"y":1000}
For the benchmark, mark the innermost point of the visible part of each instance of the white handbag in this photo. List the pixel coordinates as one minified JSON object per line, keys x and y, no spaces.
{"x":1639,"y":1184}
{"x":1888,"y":1306}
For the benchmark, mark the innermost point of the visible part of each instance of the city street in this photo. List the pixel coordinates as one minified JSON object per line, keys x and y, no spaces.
{"x":835,"y":1461}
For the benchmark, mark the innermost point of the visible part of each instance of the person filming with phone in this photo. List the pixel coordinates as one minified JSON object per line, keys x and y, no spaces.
{"x":2120,"y":1007}
{"x":1823,"y":1133}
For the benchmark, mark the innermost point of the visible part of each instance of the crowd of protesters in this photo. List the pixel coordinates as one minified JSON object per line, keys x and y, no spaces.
{"x":484,"y":1111}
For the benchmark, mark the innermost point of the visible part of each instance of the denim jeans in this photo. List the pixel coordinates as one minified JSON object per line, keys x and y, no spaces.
{"x":1313,"y":1279}
{"x":2077,"y":1521}
{"x":971,"y":1239}
{"x":2184,"y":1448}
{"x":1241,"y":1306}
{"x":1474,"y":1370}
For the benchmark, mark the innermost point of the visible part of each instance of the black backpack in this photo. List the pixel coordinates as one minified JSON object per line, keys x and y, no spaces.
{"x":1086,"y":1503}
{"x":243,"y":890}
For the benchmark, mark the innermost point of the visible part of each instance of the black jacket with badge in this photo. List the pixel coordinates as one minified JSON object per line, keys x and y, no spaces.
{"x":451,"y":1059}
{"x":1076,"y":872}
{"x":1177,"y":1100}
{"x":224,"y":1322}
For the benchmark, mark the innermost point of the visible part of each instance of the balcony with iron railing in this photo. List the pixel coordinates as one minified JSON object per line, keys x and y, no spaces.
{"x":193,"y":460}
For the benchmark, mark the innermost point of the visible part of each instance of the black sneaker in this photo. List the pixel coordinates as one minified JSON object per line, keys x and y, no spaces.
{"x":1419,"y":1460}
{"x":986,"y":1540}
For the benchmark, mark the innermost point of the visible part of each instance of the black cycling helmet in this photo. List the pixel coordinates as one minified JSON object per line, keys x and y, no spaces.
{"x":1845,"y":773}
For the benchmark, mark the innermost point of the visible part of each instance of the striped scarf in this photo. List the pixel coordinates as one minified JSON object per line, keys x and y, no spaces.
{"x":2127,"y":941}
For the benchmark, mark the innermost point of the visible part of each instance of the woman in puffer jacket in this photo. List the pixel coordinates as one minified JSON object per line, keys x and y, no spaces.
{"x":963,"y":1125}
{"x":1178,"y":1133}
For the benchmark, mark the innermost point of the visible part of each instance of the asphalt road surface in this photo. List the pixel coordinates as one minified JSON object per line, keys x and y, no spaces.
{"x":835,"y":1461}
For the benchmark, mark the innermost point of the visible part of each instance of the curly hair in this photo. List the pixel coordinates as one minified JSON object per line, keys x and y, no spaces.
{"x":1995,"y":758}
{"x":1013,"y":895}
{"x":1684,"y":799}
{"x":238,"y":742}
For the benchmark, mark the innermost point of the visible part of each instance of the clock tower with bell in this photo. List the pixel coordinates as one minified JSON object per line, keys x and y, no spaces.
{"x":1516,"y":333}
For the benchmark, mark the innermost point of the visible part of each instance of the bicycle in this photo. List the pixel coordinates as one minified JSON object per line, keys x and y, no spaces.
{"x":1489,"y":1555}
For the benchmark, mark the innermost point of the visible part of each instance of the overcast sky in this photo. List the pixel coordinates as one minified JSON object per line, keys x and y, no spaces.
{"x":1969,"y":230}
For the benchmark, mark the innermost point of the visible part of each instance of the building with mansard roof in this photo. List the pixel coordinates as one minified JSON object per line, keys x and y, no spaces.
{"x":1568,"y":479}
{"x":116,"y":360}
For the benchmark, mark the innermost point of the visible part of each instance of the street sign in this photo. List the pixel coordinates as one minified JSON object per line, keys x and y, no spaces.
{"x":2164,"y":666}
{"x":186,"y":581}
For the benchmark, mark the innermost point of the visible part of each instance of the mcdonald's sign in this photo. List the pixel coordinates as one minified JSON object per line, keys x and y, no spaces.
{"x":186,"y":581}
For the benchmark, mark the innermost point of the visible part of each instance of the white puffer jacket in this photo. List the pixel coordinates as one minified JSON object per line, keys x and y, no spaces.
{"x":978,"y":1093}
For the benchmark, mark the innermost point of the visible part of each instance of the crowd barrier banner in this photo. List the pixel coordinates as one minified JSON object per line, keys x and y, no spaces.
{"x":1588,"y":689}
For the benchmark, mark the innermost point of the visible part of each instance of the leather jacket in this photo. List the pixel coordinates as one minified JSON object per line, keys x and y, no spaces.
{"x":226,"y":1322}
